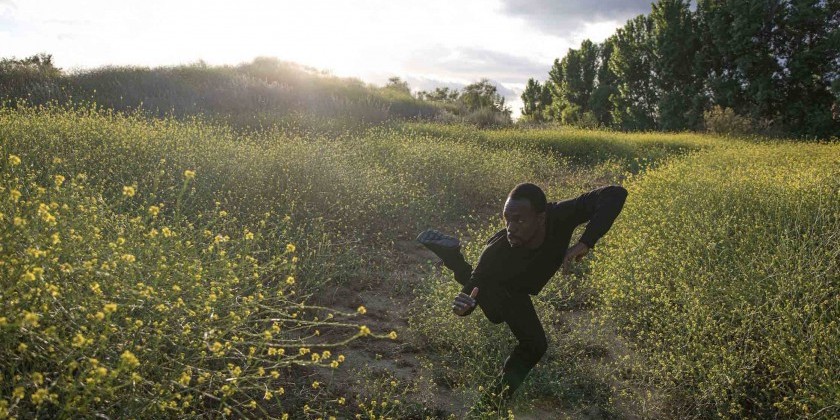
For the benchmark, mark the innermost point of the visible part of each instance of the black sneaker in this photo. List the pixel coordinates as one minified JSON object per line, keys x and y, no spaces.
{"x":444,"y":246}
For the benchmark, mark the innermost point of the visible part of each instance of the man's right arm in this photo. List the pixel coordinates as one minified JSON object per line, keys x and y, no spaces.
{"x":464,"y":304}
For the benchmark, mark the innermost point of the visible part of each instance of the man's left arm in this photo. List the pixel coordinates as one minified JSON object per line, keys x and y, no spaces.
{"x":600,"y":207}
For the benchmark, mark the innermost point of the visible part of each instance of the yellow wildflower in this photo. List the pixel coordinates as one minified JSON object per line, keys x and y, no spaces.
{"x":19,"y":222}
{"x":14,"y":160}
{"x":316,"y":384}
{"x":361,"y":310}
{"x":290,"y":248}
{"x":188,"y":174}
{"x":392,"y":335}
{"x":19,"y":392}
{"x":268,"y":395}
{"x":30,"y":319}
{"x":128,"y":258}
{"x":110,"y":308}
{"x":79,"y":340}
{"x":15,"y":195}
{"x":290,"y":280}
{"x":129,"y":191}
{"x":154,"y":210}
{"x":364,"y":330}
{"x":59,"y":180}
{"x":129,"y":359}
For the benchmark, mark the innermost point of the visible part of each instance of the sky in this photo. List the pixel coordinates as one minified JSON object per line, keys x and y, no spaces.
{"x":430,"y":43}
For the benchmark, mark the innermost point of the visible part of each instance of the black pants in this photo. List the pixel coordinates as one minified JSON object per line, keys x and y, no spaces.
{"x":519,"y":314}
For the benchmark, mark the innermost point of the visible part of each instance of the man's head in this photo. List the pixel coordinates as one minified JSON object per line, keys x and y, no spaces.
{"x":524,"y":215}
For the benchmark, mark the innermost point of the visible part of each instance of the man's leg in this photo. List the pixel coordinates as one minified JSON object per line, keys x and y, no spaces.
{"x":448,"y":249}
{"x":526,"y":327}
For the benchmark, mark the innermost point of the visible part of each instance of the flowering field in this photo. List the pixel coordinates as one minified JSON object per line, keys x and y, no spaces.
{"x":164,"y":268}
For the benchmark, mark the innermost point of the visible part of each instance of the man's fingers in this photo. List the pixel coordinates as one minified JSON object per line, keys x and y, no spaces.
{"x":474,"y":292}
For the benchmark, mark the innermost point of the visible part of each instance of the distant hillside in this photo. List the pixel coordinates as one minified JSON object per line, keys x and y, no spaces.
{"x":265,"y":90}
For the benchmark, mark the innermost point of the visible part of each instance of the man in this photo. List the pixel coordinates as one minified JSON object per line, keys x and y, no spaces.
{"x":520,"y":259}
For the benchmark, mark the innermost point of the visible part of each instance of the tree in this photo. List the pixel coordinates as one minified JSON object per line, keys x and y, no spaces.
{"x":398,"y":85}
{"x":674,"y":49}
{"x":811,"y":52}
{"x":443,"y":94}
{"x":599,"y":101}
{"x":536,"y":98}
{"x":480,"y":95}
{"x":572,"y":83}
{"x":635,"y":101}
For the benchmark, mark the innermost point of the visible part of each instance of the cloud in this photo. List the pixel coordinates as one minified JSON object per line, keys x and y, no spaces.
{"x":467,"y":64}
{"x":565,"y":17}
{"x":428,"y":84}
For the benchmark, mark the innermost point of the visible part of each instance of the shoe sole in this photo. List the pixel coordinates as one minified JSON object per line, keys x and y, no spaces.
{"x":437,"y":241}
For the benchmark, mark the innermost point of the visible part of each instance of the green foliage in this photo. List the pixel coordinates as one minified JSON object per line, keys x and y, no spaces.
{"x":769,"y":61}
{"x":725,"y":121}
{"x":723,"y":271}
{"x":260,"y":93}
{"x":634,"y":106}
{"x":536,"y":99}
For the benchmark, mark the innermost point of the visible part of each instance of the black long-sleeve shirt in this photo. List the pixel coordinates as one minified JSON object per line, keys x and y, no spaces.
{"x":502,"y":269}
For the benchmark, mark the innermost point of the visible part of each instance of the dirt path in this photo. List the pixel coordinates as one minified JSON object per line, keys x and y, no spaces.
{"x":387,"y":301}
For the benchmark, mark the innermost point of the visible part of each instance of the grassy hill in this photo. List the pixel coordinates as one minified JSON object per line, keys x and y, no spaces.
{"x":265,"y":91}
{"x":181,"y":267}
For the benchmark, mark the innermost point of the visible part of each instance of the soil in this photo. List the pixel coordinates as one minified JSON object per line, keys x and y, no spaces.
{"x":387,"y":300}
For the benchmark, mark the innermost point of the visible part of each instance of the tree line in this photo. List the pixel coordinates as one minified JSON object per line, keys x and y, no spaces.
{"x":771,"y":65}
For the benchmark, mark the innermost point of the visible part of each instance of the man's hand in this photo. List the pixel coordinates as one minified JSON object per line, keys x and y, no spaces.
{"x":575,"y":253}
{"x":463,"y":304}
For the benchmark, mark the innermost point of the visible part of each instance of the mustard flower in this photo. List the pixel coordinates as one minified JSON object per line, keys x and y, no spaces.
{"x":129,"y":359}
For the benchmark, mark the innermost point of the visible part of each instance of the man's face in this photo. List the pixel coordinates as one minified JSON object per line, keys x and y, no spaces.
{"x":522,"y":222}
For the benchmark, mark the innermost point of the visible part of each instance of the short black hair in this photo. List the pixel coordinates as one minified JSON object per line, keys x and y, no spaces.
{"x":530,"y":192}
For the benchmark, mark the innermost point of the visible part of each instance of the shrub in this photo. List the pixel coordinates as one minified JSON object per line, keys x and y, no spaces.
{"x":725,"y":121}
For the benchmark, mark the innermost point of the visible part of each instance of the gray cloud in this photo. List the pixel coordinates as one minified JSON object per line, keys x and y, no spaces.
{"x":564,"y":17}
{"x":472,"y":63}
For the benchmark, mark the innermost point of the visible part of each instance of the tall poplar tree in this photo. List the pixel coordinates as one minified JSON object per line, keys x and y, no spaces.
{"x":635,"y":102}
